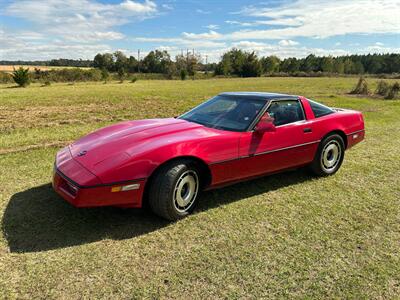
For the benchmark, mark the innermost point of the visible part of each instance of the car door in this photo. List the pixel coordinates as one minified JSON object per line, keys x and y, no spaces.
{"x":291,"y":144}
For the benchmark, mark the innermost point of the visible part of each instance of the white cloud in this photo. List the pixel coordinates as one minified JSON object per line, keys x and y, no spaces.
{"x":183,"y":42}
{"x":14,"y":48}
{"x":312,"y":18}
{"x":81,"y":20}
{"x":203,"y":12}
{"x":147,"y":7}
{"x":211,"y":35}
{"x":283,"y":51}
{"x":244,"y":24}
{"x":379,"y":44}
{"x":287,"y":43}
{"x":212,"y":27}
{"x":167,"y":6}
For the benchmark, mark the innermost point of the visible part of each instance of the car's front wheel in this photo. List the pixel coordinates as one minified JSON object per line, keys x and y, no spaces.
{"x":329,"y":156}
{"x":174,"y":189}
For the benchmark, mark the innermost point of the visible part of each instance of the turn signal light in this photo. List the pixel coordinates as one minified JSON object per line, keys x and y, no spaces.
{"x":122,"y":188}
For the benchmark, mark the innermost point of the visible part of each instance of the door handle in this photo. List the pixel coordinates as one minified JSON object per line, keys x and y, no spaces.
{"x":307,"y":130}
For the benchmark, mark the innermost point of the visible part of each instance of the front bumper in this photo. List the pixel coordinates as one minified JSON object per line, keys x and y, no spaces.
{"x":81,"y":188}
{"x":100,"y":195}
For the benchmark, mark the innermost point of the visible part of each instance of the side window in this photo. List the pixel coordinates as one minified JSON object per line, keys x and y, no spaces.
{"x":320,"y":110}
{"x":286,"y":111}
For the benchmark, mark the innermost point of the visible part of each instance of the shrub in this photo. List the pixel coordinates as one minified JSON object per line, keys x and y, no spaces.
{"x":104,"y":75}
{"x":361,"y":87}
{"x":394,"y":91}
{"x":183,"y":74}
{"x":21,"y":76}
{"x":47,"y":83}
{"x":121,"y":75}
{"x":382,"y":88}
{"x":5,"y":77}
{"x":134,"y":79}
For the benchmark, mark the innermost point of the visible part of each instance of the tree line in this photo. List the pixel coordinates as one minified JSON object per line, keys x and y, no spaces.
{"x":61,"y":62}
{"x":247,"y":64}
{"x":235,"y":62}
{"x":154,"y":62}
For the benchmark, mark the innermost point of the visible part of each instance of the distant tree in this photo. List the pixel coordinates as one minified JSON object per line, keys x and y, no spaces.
{"x":349,"y":66}
{"x":240,"y":63}
{"x":132,"y":64}
{"x":104,"y":61}
{"x":121,"y":74}
{"x":224,"y":67}
{"x":290,"y":65}
{"x":183,"y":74}
{"x":270,"y":64}
{"x":358,"y":68}
{"x":120,"y":61}
{"x":374,"y":67}
{"x":237,"y":58}
{"x":98,"y":61}
{"x":251,"y":66}
{"x":180,"y":62}
{"x":192,"y":64}
{"x":21,"y":76}
{"x":327,"y":64}
{"x":157,"y":62}
{"x":338,"y":66}
{"x":309,"y":64}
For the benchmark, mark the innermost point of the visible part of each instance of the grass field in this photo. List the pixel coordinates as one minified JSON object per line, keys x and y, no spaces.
{"x":287,"y":235}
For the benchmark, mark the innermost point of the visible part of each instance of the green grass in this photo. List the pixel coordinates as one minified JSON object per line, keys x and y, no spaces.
{"x":287,"y":235}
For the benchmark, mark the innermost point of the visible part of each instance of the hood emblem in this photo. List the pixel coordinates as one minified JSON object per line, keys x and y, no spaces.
{"x":82,"y":153}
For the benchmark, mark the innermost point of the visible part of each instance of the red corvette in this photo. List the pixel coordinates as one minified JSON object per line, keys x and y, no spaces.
{"x":230,"y":138}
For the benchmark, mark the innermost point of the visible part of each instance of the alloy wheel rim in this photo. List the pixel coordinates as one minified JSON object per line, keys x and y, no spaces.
{"x":185,"y":191}
{"x":331,"y":154}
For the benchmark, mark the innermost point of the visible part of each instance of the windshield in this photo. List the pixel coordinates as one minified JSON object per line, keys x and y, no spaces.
{"x":226,"y":112}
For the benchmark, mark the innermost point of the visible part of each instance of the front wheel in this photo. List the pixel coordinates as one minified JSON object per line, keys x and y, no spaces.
{"x":174,"y":190}
{"x":329,"y":156}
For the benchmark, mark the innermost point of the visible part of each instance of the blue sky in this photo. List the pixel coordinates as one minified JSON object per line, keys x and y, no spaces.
{"x":38,"y":30}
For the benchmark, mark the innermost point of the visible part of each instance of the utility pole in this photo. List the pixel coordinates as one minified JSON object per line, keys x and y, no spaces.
{"x":138,"y":60}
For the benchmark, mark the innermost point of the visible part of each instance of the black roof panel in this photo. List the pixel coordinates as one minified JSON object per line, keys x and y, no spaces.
{"x":259,"y":95}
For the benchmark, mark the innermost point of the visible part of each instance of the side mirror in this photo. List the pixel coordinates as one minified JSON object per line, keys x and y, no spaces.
{"x":266,"y":124}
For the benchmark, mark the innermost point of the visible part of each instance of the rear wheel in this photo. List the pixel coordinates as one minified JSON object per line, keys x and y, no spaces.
{"x":329,"y":157}
{"x":174,"y":189}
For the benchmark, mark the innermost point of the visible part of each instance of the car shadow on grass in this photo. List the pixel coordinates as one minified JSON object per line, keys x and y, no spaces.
{"x":37,"y":219}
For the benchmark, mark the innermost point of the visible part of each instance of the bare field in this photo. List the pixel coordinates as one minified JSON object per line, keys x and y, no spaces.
{"x":10,"y":68}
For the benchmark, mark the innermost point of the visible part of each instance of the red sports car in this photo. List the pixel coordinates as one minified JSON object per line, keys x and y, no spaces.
{"x":229,"y":138}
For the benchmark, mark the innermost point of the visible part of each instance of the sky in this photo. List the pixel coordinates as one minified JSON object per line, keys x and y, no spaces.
{"x":42,"y":30}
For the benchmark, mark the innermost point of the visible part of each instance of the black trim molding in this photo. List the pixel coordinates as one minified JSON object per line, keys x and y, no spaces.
{"x":97,"y":185}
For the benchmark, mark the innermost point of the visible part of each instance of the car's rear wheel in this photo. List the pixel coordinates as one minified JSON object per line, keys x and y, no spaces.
{"x":329,"y":156}
{"x":174,"y":189}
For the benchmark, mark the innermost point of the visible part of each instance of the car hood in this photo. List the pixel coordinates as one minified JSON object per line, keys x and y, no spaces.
{"x":115,"y":144}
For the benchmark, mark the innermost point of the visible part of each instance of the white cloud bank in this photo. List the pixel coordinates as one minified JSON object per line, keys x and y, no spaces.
{"x":82,"y":28}
{"x":322,"y":19}
{"x":72,"y":29}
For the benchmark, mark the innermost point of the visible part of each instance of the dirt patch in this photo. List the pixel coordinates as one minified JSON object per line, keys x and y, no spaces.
{"x":34,"y":147}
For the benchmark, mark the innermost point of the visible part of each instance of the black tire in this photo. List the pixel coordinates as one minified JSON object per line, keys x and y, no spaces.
{"x":171,"y":185}
{"x":329,"y":156}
